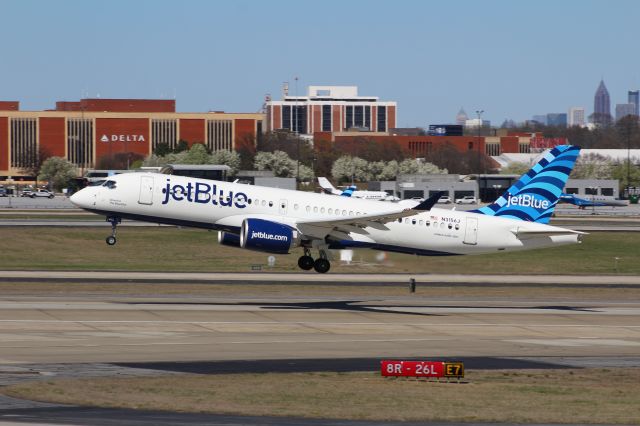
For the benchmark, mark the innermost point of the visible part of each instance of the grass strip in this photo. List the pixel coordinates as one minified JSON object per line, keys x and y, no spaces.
{"x":519,"y":396}
{"x":176,"y":249}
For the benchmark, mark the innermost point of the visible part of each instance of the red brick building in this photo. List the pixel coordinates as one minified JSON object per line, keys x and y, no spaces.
{"x":87,"y":130}
{"x":422,"y":146}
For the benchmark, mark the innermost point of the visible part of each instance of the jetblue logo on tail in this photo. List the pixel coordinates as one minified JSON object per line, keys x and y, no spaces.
{"x":534,"y":196}
{"x":527,"y":200}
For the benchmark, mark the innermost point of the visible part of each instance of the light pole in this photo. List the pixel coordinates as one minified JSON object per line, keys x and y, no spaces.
{"x":594,"y":190}
{"x":295,"y":130}
{"x":479,"y":112}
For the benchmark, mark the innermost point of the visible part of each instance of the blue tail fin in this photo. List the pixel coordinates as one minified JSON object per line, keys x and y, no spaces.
{"x":534,"y":196}
{"x":349,"y":191}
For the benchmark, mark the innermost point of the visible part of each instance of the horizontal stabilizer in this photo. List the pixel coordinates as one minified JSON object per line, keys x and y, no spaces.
{"x":427,"y":204}
{"x":533,"y":233}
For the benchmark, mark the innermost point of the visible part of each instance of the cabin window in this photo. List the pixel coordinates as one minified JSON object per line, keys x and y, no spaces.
{"x":264,"y":203}
{"x":270,"y":203}
{"x":308,"y":209}
{"x":450,"y":226}
{"x":315,"y":209}
{"x":413,"y":222}
{"x":428,"y":223}
{"x":295,"y":207}
{"x":421,"y":222}
{"x":249,"y":201}
{"x":330,"y":211}
{"x":322,"y":210}
{"x":457,"y":226}
{"x":344,"y":212}
{"x":400,"y":220}
{"x":351,"y":213}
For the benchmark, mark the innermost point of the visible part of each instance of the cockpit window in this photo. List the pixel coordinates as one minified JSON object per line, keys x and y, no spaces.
{"x":111,"y":184}
{"x":96,"y":183}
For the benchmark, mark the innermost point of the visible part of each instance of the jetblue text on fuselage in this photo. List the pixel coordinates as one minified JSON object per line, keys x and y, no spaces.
{"x":527,"y":200}
{"x":203,"y":193}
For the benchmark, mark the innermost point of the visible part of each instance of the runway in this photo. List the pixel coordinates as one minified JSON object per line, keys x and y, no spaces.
{"x":93,"y":331}
{"x":108,"y":329}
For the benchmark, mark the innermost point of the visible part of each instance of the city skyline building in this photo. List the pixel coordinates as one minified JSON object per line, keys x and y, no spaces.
{"x":633,"y":97}
{"x":557,"y":119}
{"x":461,"y":117}
{"x":542,"y":119}
{"x":601,"y":105}
{"x":576,"y":116}
{"x":622,"y":110}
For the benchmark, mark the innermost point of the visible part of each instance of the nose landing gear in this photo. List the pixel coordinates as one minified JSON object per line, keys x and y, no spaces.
{"x":115,"y":221}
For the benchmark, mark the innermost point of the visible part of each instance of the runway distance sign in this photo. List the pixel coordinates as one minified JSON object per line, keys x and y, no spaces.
{"x":395,"y":368}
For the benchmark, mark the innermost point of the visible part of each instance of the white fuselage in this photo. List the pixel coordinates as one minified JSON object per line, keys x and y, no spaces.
{"x":224,"y":206}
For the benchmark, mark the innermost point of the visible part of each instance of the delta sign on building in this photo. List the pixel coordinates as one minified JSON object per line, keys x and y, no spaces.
{"x":87,"y":131}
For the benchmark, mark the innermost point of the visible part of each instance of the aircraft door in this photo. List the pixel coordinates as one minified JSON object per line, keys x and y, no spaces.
{"x":282,"y":208}
{"x":146,"y":190}
{"x":471,"y":231}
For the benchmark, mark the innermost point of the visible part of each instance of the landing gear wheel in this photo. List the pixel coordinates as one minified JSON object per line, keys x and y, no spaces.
{"x":306,"y":262}
{"x":114,"y":221}
{"x":321,"y":265}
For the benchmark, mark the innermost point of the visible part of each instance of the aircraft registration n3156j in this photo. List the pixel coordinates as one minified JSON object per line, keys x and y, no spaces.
{"x":276,"y":220}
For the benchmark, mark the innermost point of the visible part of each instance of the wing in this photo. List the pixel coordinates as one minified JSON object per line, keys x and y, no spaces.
{"x":355,"y":224}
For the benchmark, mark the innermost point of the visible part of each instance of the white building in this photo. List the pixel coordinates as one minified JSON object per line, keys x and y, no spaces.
{"x":330,"y":109}
{"x":576,"y":116}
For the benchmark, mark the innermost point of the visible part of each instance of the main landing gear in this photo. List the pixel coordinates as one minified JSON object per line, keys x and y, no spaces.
{"x":321,"y":265}
{"x":115,"y":221}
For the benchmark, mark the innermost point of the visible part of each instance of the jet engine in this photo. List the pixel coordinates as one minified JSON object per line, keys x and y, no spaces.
{"x":228,"y":239}
{"x":267,"y":236}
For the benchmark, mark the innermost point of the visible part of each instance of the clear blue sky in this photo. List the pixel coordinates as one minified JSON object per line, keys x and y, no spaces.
{"x":511,"y":59}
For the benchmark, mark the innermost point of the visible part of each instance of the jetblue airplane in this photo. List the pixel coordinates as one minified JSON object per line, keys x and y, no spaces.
{"x":582,"y":203}
{"x":277,"y":220}
{"x":352,"y":191}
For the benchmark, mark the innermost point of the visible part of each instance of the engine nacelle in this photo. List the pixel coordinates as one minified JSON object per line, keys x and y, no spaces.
{"x":228,"y":239}
{"x":267,"y":236}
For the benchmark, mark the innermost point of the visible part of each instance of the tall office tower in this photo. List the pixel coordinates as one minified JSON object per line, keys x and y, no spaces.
{"x":601,"y":105}
{"x":576,"y":116}
{"x":622,"y":110}
{"x":634,"y":98}
{"x":461,"y":117}
{"x":557,"y":119}
{"x":542,"y":119}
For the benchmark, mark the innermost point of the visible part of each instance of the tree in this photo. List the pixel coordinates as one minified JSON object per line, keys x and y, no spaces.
{"x":181,"y":146}
{"x":58,"y":172}
{"x":228,"y":158}
{"x":162,"y":149}
{"x":621,"y":170}
{"x":515,"y":168}
{"x":592,"y":166}
{"x":197,"y":154}
{"x":282,"y":165}
{"x":118,"y":161}
{"x":32,"y":160}
{"x":417,"y":167}
{"x":347,"y":168}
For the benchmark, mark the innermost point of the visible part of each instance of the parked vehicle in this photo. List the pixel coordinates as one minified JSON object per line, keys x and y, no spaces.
{"x":467,"y":199}
{"x":45,"y":193}
{"x":3,"y":192}
{"x":445,"y":199}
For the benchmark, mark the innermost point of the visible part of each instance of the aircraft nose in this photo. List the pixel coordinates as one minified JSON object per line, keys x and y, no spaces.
{"x":81,"y":198}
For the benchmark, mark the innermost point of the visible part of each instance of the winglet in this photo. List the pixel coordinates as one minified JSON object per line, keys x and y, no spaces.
{"x":427,"y":204}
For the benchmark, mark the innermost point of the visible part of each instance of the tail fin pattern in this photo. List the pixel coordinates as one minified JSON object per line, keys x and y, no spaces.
{"x":534,"y":196}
